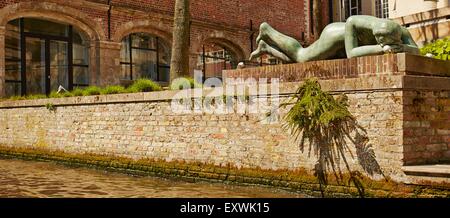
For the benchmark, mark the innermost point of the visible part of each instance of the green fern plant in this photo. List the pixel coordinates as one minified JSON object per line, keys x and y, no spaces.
{"x":324,"y":122}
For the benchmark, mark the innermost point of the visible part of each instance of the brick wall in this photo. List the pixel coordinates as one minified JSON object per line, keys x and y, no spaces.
{"x":426,"y":127}
{"x":226,"y":23}
{"x":329,"y":69}
{"x":285,"y":15}
{"x":404,"y":116}
{"x":144,"y":126}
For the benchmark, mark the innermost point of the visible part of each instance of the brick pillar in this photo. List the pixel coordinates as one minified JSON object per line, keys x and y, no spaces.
{"x":107,"y":56}
{"x":2,"y":62}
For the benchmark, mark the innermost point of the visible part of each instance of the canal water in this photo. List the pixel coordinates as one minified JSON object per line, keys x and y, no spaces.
{"x":49,"y":180}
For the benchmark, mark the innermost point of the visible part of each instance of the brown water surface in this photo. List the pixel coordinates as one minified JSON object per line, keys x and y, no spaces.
{"x":48,"y":180}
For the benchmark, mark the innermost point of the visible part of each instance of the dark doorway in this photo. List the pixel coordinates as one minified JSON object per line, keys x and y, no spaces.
{"x":44,"y":54}
{"x":215,"y":58}
{"x":48,"y":61}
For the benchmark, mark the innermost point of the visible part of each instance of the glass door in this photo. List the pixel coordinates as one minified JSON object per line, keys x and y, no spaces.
{"x":35,"y":66}
{"x":59,"y":65}
{"x":47,"y":65}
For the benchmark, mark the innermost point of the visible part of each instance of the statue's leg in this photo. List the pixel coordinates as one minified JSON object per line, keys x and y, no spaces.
{"x":331,"y":44}
{"x":264,"y":48}
{"x":286,"y":44}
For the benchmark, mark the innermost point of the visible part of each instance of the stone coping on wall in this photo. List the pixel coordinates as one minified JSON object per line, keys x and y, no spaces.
{"x":423,"y":16}
{"x":362,"y":84}
{"x":370,"y":66}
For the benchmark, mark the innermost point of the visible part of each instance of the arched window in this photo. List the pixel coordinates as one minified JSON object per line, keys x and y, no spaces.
{"x":81,"y":45}
{"x":215,"y":58}
{"x":145,"y":56}
{"x":41,"y":56}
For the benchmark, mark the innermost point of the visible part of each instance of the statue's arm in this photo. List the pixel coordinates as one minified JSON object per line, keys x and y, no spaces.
{"x":365,"y":51}
{"x":409,"y":45}
{"x":351,"y":41}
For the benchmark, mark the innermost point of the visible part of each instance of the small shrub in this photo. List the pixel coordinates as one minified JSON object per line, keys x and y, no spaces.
{"x":55,"y":94}
{"x":440,"y":49}
{"x":144,"y":85}
{"x":50,"y":107}
{"x":67,"y":94}
{"x":92,"y":90}
{"x":113,"y":90}
{"x":77,"y":92}
{"x":18,"y":97}
{"x":141,"y":85}
{"x":37,"y":96}
{"x":183,"y":82}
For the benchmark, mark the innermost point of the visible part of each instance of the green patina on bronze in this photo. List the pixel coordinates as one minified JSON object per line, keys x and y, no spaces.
{"x":296,"y":180}
{"x":359,"y":36}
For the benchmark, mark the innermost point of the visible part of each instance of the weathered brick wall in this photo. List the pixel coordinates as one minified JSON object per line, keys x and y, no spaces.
{"x":150,"y":129}
{"x":225,"y":23}
{"x":426,"y":101}
{"x":426,"y":127}
{"x":328,"y":69}
{"x":404,"y":115}
{"x":286,"y":15}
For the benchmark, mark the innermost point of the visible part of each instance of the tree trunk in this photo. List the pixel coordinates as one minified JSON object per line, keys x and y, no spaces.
{"x":317,"y":18}
{"x":179,"y":65}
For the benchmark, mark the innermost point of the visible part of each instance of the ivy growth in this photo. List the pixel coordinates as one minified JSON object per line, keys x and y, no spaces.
{"x":440,"y":49}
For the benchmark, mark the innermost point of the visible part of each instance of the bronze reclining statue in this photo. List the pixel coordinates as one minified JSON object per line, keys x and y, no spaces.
{"x":359,"y":36}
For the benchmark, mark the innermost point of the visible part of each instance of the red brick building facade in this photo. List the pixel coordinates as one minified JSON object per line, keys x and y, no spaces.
{"x":108,"y":33}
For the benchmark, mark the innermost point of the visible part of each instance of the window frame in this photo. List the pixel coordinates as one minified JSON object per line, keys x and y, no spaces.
{"x":382,"y":9}
{"x":47,"y":37}
{"x":130,"y":63}
{"x":348,"y":6}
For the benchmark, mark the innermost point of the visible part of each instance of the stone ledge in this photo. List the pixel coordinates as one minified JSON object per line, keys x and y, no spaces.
{"x":425,"y":83}
{"x":419,"y":65}
{"x":428,"y":170}
{"x":424,"y":16}
{"x":380,"y":83}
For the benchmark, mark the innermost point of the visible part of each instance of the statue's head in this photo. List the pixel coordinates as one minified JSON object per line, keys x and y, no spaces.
{"x":387,"y":32}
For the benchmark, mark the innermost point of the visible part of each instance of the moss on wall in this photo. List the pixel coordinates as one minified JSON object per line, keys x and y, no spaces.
{"x":296,"y":180}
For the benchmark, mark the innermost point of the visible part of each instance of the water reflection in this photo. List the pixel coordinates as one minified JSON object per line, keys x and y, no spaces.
{"x":38,"y":179}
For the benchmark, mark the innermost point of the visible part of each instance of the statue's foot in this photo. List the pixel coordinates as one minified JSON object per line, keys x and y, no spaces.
{"x":263,"y":28}
{"x":259,"y":38}
{"x":263,"y":48}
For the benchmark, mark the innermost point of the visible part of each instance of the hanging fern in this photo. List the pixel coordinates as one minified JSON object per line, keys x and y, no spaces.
{"x":324,"y":122}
